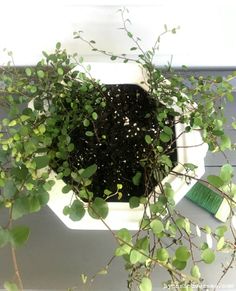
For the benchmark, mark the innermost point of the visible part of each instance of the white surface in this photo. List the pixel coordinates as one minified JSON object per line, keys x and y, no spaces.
{"x":206,"y":37}
{"x":120,"y":215}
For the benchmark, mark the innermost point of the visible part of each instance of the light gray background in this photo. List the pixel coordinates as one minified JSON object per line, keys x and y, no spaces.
{"x":54,"y":257}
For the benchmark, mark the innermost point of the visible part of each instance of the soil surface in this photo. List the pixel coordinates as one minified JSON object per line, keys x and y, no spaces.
{"x":119,"y":143}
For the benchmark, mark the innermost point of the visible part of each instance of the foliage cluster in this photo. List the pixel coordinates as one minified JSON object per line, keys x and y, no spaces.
{"x":36,"y":138}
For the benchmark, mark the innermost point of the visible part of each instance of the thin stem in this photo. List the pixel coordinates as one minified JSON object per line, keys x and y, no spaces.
{"x":16,"y":268}
{"x":166,"y":266}
{"x":204,"y":181}
{"x":226,"y":270}
{"x":14,"y":259}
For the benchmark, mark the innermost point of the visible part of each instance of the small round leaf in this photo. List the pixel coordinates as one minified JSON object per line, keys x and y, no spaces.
{"x":19,"y":235}
{"x":134,"y":202}
{"x":76,"y":211}
{"x":208,"y":256}
{"x":124,"y":235}
{"x":162,"y":254}
{"x":146,"y":284}
{"x":157,"y":226}
{"x":98,"y":208}
{"x":135,"y":256}
{"x":179,"y":265}
{"x":195,"y":272}
{"x":182,"y":254}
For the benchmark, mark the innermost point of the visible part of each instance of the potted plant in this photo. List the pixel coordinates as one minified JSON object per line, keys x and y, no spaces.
{"x":127,"y":75}
{"x":100,"y":141}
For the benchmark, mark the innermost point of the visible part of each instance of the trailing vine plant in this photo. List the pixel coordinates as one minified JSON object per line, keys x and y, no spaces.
{"x":64,"y":96}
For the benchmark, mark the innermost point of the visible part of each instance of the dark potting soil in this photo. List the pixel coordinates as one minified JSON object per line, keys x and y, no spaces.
{"x":129,"y":115}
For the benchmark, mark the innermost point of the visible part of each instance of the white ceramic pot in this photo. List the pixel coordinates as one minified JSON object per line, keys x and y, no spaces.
{"x":120,"y":215}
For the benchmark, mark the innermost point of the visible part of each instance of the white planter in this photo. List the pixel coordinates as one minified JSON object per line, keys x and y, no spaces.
{"x":120,"y":215}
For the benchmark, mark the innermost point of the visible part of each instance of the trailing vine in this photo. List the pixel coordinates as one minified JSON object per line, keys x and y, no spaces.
{"x":43,"y":107}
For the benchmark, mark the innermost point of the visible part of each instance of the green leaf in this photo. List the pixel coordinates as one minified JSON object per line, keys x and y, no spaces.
{"x":29,"y":147}
{"x":34,"y":204}
{"x":145,"y":224}
{"x":119,"y":186}
{"x":40,"y":74}
{"x":42,"y":128}
{"x":76,"y":211}
{"x":129,"y":34}
{"x":49,"y":184}
{"x":19,"y":173}
{"x":107,"y":192}
{"x":9,"y":189}
{"x":89,"y":171}
{"x":43,"y":197}
{"x":218,"y":79}
{"x":28,"y":72}
{"x":225,"y":142}
{"x":113,"y":58}
{"x":58,"y":45}
{"x":164,"y":137}
{"x":10,"y":286}
{"x":208,"y":256}
{"x":183,"y":223}
{"x":148,"y":139}
{"x":207,"y":229}
{"x":173,"y":30}
{"x":89,"y":133}
{"x":190,"y":166}
{"x":88,"y":108}
{"x":33,"y":89}
{"x":157,"y":207}
{"x":195,"y":272}
{"x":41,"y":162}
{"x":98,"y":208}
{"x":4,"y":237}
{"x":220,"y":243}
{"x":12,"y":123}
{"x":179,"y":265}
{"x":124,"y":235}
{"x":182,"y":254}
{"x":146,"y":284}
{"x":215,"y":181}
{"x":20,"y":207}
{"x":162,"y":254}
{"x":3,"y":156}
{"x":230,"y":97}
{"x":137,"y":178}
{"x":19,"y":235}
{"x":180,"y":222}
{"x":60,"y":71}
{"x":71,"y":147}
{"x":168,"y":130}
{"x":157,"y":226}
{"x":226,"y":173}
{"x":66,"y":189}
{"x":234,"y":124}
{"x":220,"y":230}
{"x":143,"y":244}
{"x":66,"y":210}
{"x":94,"y":115}
{"x":135,"y":256}
{"x":134,"y":202}
{"x":122,"y":250}
{"x":103,"y":271}
{"x":86,"y":122}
